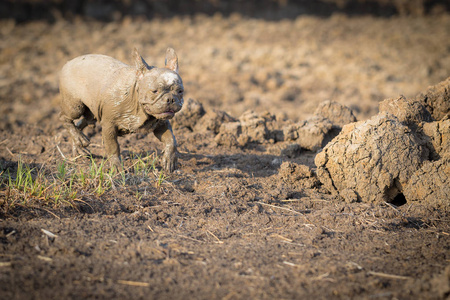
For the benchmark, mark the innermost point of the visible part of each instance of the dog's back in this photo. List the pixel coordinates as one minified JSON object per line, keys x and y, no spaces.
{"x":84,"y":78}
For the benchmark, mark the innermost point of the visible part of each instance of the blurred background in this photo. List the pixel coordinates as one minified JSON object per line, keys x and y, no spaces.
{"x":280,"y":56}
{"x":23,"y":10}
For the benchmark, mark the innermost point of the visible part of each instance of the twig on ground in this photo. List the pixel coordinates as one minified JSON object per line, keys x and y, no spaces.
{"x":391,"y":276}
{"x":10,"y":152}
{"x":283,"y":208}
{"x":218,"y":241}
{"x":60,"y":152}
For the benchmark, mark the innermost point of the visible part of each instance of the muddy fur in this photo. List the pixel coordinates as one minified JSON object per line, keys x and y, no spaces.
{"x":123,"y":99}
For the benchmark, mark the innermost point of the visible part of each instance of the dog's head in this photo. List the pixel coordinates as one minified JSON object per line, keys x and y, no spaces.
{"x":160,"y":90}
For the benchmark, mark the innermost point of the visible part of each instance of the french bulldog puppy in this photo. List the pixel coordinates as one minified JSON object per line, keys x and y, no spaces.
{"x":123,"y":99}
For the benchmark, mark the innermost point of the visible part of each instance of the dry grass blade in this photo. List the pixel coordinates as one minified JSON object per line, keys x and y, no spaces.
{"x":322,"y":276}
{"x":391,"y":276}
{"x":10,"y":152}
{"x":11,"y":233}
{"x":53,"y":214}
{"x":49,"y":234}
{"x":290,"y":264}
{"x":5,"y":264}
{"x":84,"y":202}
{"x":60,"y":152}
{"x":394,"y":207}
{"x":283,"y":208}
{"x":189,"y":238}
{"x":281,"y":237}
{"x":134,"y":283}
{"x":291,"y":200}
{"x":45,"y":258}
{"x":218,"y":241}
{"x":279,"y":207}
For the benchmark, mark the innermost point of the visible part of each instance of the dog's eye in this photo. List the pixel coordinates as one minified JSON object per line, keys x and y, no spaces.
{"x":155,"y":91}
{"x":180,"y":92}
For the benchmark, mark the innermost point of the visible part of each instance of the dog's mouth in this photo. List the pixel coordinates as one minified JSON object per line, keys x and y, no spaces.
{"x":165,"y":115}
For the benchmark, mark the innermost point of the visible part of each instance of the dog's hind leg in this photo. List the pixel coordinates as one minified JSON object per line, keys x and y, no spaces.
{"x":72,"y":109}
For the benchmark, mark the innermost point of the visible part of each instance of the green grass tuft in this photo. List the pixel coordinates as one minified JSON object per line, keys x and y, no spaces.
{"x":68,"y":182}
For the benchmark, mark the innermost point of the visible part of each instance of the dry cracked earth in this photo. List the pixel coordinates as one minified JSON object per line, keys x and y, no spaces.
{"x":253,"y":210}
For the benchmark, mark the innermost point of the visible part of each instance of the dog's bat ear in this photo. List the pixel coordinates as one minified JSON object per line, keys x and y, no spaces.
{"x":139,"y":62}
{"x":171,"y":60}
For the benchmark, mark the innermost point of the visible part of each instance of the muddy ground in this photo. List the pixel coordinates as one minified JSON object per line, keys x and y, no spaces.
{"x":233,"y":222}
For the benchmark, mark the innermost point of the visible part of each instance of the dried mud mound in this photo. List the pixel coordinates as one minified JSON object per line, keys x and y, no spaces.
{"x":437,"y":99}
{"x":399,"y":155}
{"x":252,"y":128}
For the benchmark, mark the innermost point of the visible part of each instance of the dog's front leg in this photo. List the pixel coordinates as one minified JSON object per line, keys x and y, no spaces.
{"x":109,"y":135}
{"x":164,"y":133}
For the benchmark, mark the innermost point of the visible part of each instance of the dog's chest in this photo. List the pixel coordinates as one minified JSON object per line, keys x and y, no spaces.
{"x":129,"y":123}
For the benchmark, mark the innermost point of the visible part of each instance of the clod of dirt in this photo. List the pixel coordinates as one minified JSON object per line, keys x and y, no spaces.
{"x":407,"y":111}
{"x":314,"y":133}
{"x":212,"y":121}
{"x":430,"y":183}
{"x":228,"y":134}
{"x":292,"y":150}
{"x":374,"y":159}
{"x":437,"y":99}
{"x":338,"y":114}
{"x":255,"y":126}
{"x":300,"y":176}
{"x":189,"y":115}
{"x":311,"y":134}
{"x":251,"y":128}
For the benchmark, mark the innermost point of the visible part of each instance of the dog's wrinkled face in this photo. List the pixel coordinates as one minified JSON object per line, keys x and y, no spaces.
{"x":160,"y":89}
{"x":161,"y":93}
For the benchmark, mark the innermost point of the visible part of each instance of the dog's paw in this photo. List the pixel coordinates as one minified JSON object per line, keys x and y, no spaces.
{"x":115,"y":163}
{"x":169,"y":160}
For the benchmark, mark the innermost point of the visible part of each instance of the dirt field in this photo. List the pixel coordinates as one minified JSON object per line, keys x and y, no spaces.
{"x":234,"y":221}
